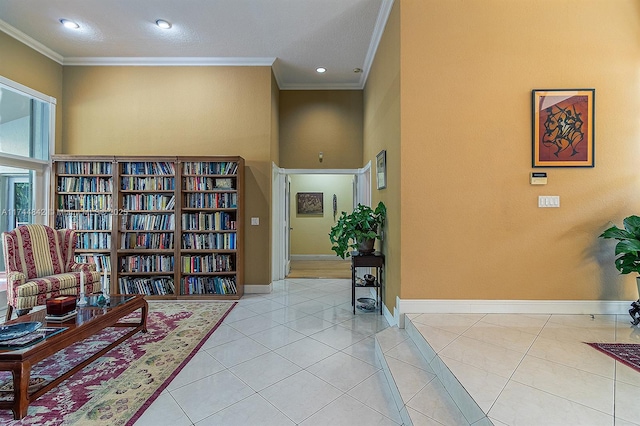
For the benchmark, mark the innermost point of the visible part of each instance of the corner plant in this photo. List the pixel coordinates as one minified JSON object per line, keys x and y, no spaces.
{"x":628,"y":247}
{"x":351,"y":229}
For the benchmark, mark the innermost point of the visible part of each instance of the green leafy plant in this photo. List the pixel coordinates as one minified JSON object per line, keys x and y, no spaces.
{"x":628,"y":247}
{"x":351,"y":229}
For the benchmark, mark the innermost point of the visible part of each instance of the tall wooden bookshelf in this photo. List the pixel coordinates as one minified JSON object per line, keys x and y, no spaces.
{"x":210,"y":225}
{"x":169,"y":227}
{"x":83,"y":199}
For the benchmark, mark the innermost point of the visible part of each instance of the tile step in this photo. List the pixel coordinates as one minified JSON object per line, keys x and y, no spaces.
{"x":423,"y":387}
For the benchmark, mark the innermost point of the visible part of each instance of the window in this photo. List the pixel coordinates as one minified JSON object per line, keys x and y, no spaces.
{"x":27,"y":120}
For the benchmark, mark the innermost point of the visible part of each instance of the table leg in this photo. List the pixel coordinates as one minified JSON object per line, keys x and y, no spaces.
{"x":143,"y":316}
{"x":21,"y":373}
{"x":353,"y":288}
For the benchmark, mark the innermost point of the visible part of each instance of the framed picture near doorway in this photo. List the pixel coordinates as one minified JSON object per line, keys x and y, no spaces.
{"x":310,"y":203}
{"x":381,"y":169}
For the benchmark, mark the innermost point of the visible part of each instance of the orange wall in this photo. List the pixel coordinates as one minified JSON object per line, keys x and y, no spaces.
{"x":181,"y":111}
{"x":382,"y":131}
{"x":470,"y":225}
{"x":327,"y":121}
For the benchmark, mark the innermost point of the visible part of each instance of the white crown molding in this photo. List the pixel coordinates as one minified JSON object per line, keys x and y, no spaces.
{"x":177,"y":62}
{"x":424,"y":306}
{"x":321,"y":86}
{"x":35,"y":45}
{"x":378,"y":31}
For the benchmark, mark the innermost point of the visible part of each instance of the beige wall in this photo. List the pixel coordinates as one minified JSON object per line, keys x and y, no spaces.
{"x":181,"y":111}
{"x":327,"y":121}
{"x":24,"y":65}
{"x":382,"y":131}
{"x":310,"y":233}
{"x":470,"y":225}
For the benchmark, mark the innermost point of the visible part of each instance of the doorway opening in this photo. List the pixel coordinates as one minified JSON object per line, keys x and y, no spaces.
{"x":301,"y":246}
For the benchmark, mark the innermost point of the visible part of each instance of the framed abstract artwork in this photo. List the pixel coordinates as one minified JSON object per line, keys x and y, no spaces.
{"x":310,"y":203}
{"x":563,"y":127}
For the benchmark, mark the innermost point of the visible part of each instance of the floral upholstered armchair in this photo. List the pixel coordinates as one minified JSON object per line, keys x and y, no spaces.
{"x":40,"y":264}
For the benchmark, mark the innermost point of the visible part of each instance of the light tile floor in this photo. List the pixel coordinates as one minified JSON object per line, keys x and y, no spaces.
{"x":296,"y":356}
{"x":523,"y":369}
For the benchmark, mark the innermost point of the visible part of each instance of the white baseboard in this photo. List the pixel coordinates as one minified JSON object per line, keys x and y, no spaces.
{"x":316,"y":257}
{"x":258,"y":288}
{"x":600,"y":307}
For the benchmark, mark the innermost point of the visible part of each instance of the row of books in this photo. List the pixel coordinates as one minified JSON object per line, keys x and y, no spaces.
{"x":148,"y":202}
{"x":210,"y":241}
{"x":210,"y":200}
{"x":93,"y":240}
{"x":146,"y":240}
{"x":202,"y":183}
{"x":148,"y":168}
{"x":148,"y":221}
{"x":216,"y":221}
{"x":85,"y":201}
{"x":85,"y":221}
{"x":102,"y":261}
{"x":210,"y":168}
{"x":84,"y":184}
{"x":150,"y":286}
{"x":208,"y":285}
{"x":207,"y":263}
{"x":147,"y":183}
{"x":85,"y":167}
{"x":146,"y":263}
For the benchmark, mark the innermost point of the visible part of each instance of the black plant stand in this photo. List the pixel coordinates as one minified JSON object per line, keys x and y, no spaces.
{"x":635,"y":312}
{"x":373,"y":260}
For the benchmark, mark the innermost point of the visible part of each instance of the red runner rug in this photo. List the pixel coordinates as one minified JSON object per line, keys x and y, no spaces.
{"x":117,"y":388}
{"x":626,"y":353}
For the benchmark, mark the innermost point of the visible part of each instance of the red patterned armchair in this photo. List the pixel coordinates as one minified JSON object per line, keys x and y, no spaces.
{"x":40,"y":265}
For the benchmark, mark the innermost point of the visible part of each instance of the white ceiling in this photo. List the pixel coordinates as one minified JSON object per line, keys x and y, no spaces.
{"x":294,"y":36}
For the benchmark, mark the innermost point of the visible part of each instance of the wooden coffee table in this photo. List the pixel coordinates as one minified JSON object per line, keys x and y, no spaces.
{"x":88,"y":321}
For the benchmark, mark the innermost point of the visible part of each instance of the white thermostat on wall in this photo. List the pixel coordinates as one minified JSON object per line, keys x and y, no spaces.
{"x":538,"y":178}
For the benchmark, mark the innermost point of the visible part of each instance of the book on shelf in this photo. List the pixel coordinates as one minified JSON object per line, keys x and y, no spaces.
{"x":150,"y":286}
{"x":209,"y":241}
{"x":146,"y":263}
{"x":148,"y":222}
{"x":148,"y":168}
{"x":102,"y":261}
{"x":208,"y":285}
{"x":84,"y":167}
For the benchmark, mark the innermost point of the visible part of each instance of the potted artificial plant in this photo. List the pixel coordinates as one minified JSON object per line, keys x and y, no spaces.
{"x":357,"y":230}
{"x":628,"y":254}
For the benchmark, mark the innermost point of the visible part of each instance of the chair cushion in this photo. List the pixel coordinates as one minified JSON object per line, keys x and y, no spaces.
{"x":36,"y":292}
{"x":58,"y":284}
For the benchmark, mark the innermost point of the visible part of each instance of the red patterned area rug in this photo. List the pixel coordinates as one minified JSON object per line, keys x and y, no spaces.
{"x":626,"y":353}
{"x":118,"y":387}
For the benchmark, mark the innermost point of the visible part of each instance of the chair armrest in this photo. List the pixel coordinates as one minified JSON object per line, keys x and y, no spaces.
{"x":15,"y":279}
{"x":79,"y":267}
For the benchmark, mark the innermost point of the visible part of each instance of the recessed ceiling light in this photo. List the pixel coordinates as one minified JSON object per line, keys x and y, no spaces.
{"x":165,"y":25}
{"x":321,"y":70}
{"x":69,"y":24}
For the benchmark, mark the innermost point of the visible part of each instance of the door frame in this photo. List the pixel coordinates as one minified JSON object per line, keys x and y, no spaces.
{"x":280,"y":227}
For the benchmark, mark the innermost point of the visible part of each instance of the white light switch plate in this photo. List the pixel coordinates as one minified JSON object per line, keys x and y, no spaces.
{"x":549,"y":201}
{"x":255,"y":221}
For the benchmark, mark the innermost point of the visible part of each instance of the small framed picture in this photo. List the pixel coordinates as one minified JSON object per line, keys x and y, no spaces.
{"x":381,"y":169}
{"x":563,"y":127}
{"x":310,"y":203}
